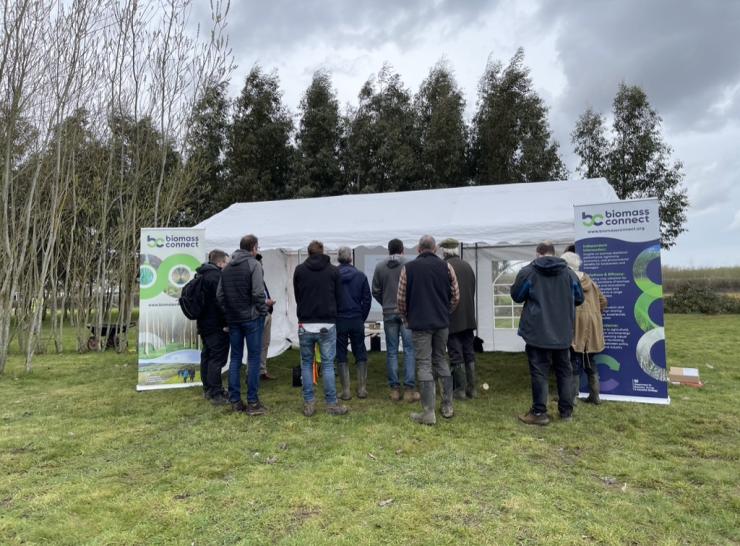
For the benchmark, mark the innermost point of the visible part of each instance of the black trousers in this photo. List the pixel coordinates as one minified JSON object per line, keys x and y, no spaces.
{"x":460,"y":347}
{"x":213,"y":358}
{"x":539,"y":370}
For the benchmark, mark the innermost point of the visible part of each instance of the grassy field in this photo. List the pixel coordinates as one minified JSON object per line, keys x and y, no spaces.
{"x":86,"y":459}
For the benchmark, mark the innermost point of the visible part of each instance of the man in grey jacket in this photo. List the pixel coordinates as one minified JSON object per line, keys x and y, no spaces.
{"x":385,"y":291}
{"x":241,"y":295}
{"x":462,"y":324}
{"x":550,"y":292}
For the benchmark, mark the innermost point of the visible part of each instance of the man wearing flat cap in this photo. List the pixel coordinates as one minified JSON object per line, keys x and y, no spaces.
{"x":462,"y":323}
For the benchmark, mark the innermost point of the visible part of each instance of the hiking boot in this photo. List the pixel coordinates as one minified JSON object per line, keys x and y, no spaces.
{"x":593,"y":389}
{"x":426,"y":417}
{"x":267,"y":376}
{"x":238,"y":406}
{"x":566,"y":418}
{"x":447,"y":390}
{"x":470,"y":390}
{"x":255,"y":408}
{"x":218,"y":400}
{"x":532,"y":418}
{"x":343,"y":369}
{"x":395,"y":394}
{"x":411,"y":396}
{"x":362,"y":380}
{"x":337,"y":409}
{"x":309,"y":408}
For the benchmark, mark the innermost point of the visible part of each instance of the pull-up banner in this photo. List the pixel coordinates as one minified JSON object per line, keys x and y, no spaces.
{"x":169,"y":356}
{"x":619,"y":244}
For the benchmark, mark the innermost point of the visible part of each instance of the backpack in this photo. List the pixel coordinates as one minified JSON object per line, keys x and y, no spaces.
{"x":192,"y":299}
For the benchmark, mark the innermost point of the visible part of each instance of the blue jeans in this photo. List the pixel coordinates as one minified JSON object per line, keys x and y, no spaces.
{"x":252,"y":332}
{"x":394,"y":329}
{"x":327,"y":346}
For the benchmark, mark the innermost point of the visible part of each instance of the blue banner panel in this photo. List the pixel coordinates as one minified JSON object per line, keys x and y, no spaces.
{"x":619,"y":244}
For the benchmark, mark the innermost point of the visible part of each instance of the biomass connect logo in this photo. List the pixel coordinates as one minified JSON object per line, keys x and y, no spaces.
{"x":154,"y":242}
{"x":590,"y":220}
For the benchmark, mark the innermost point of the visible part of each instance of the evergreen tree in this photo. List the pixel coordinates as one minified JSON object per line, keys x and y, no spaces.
{"x":382,"y":148}
{"x":258,"y":154}
{"x":204,"y":146}
{"x":636,"y":162}
{"x":511,"y":140}
{"x":318,"y":170}
{"x":439,"y":107}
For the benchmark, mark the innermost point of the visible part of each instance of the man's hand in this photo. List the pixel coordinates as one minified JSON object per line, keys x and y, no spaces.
{"x":270,"y":302}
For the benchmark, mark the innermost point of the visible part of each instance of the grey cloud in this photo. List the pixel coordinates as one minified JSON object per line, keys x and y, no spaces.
{"x":684,"y":54}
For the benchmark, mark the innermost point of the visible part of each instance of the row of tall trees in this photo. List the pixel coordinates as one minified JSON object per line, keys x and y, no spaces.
{"x":250,"y":149}
{"x":96,"y":100}
{"x":392,"y":140}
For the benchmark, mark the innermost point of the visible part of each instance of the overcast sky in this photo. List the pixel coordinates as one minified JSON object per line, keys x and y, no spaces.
{"x":684,"y":54}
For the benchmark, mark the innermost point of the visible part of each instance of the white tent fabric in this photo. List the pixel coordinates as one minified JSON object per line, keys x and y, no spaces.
{"x":506,"y":221}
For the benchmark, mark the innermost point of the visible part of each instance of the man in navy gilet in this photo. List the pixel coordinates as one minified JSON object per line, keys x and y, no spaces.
{"x":427,"y":294}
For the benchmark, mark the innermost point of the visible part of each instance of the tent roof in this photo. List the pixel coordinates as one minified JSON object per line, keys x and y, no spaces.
{"x":504,"y":214}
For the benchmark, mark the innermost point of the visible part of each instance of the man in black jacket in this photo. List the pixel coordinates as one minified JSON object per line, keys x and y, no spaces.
{"x":212,"y":329}
{"x":462,"y":324}
{"x":318,"y":287}
{"x":241,"y":295}
{"x":427,"y":294}
{"x":550,"y":292}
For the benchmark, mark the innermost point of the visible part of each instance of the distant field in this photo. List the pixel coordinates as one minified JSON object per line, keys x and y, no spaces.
{"x":722,"y":279}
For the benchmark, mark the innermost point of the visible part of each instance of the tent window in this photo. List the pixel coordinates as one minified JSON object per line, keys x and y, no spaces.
{"x":506,"y":313}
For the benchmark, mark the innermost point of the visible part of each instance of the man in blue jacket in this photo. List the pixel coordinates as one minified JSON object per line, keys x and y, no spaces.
{"x":352,"y":311}
{"x":550,"y":292}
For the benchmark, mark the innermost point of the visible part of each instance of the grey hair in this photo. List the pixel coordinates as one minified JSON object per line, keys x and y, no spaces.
{"x":344,"y":255}
{"x":427,"y":242}
{"x":572,"y":259}
{"x":448,"y":252}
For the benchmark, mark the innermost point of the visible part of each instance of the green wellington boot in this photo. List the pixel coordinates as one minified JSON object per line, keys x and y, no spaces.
{"x":459,"y":384}
{"x":426,"y":417}
{"x":362,"y":380}
{"x":446,"y":410}
{"x":576,"y":388}
{"x":470,"y":390}
{"x":343,"y":369}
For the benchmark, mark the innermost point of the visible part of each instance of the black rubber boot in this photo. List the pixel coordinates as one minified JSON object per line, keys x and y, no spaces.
{"x":447,"y":411}
{"x":362,"y":380}
{"x":593,"y":389}
{"x":576,"y":388}
{"x":470,"y":390}
{"x":426,"y":417}
{"x":458,"y":381}
{"x":343,"y":369}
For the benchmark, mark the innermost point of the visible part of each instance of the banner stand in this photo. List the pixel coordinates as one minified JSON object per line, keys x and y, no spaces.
{"x":169,"y":346}
{"x":619,"y":244}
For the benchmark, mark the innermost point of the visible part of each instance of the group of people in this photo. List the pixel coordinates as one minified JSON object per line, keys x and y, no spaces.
{"x":428,"y":308}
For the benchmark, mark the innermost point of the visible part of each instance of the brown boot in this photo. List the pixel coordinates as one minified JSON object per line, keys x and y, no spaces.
{"x":395,"y":394}
{"x":411,"y":396}
{"x":532,"y":418}
{"x":337,"y":409}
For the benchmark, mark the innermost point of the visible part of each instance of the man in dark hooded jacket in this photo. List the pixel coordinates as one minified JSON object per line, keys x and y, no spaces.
{"x":318,"y":288}
{"x":352,"y":311}
{"x":211,"y":327}
{"x":550,"y":292}
{"x":241,"y":295}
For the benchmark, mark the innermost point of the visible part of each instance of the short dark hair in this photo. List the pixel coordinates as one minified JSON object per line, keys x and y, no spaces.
{"x":217,"y":255}
{"x":315,"y":247}
{"x":545,"y":248}
{"x":395,"y":246}
{"x":427,"y":242}
{"x":248,"y":243}
{"x":571,"y":248}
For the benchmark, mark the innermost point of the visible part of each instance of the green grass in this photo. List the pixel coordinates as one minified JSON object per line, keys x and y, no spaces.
{"x":723,"y":279}
{"x":86,"y":459}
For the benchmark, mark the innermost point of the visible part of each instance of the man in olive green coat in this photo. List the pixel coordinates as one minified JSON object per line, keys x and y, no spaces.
{"x":461,"y":339}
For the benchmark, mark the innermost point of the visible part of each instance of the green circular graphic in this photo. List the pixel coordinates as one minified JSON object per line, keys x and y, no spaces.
{"x":147,"y":275}
{"x":168,"y":281}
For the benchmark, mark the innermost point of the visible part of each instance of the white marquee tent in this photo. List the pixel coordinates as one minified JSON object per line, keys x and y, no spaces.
{"x":497,"y":226}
